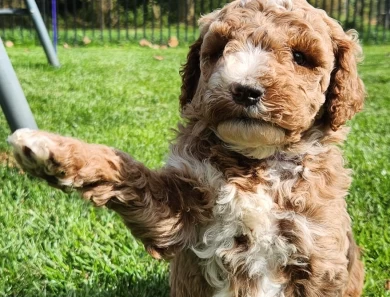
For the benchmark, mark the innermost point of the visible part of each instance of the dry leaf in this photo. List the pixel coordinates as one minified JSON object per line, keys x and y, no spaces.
{"x":160,"y":58}
{"x":387,"y":285}
{"x":86,"y":40}
{"x":7,"y":159}
{"x":173,"y":41}
{"x":9,"y":43}
{"x":144,"y":42}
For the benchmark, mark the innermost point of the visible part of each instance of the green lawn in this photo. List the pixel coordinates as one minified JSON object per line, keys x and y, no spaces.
{"x":52,"y":244}
{"x":106,"y":37}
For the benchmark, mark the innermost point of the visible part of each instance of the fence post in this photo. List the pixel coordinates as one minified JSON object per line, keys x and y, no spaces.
{"x":12,"y":99}
{"x":42,"y":33}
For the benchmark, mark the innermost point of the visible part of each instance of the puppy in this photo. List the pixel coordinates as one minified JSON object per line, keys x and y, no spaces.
{"x":251,"y":201}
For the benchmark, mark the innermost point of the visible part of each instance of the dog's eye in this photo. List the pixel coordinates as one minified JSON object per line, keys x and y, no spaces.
{"x":299,"y":58}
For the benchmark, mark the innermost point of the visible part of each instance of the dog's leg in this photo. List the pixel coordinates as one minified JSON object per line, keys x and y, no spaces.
{"x":355,"y":269}
{"x":162,"y":208}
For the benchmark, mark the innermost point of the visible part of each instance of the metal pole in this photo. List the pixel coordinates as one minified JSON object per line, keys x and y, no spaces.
{"x":12,"y":99}
{"x":54,"y":23}
{"x":42,"y":33}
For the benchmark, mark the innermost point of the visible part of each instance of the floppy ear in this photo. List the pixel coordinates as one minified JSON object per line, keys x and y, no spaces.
{"x":190,"y":73}
{"x":346,"y":93}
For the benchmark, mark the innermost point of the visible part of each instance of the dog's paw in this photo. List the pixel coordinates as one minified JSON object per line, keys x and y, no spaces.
{"x":34,"y":151}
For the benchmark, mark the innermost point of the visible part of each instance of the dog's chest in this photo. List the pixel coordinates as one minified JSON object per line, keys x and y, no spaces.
{"x":244,"y":241}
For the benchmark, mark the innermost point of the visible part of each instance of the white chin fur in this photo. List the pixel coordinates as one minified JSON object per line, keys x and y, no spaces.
{"x":252,"y":139}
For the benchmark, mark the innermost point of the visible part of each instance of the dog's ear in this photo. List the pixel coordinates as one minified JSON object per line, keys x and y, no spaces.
{"x":346,"y":93}
{"x":190,"y":73}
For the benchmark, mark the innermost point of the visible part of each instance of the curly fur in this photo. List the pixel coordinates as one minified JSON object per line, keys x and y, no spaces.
{"x":251,"y":201}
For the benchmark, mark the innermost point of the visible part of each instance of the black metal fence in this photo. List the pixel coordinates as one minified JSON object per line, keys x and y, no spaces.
{"x":100,"y":21}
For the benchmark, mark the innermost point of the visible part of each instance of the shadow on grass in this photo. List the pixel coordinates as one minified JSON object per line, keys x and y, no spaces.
{"x":40,"y":64}
{"x":153,"y":286}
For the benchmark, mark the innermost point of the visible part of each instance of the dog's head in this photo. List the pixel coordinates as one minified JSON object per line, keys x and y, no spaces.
{"x":265,"y":71}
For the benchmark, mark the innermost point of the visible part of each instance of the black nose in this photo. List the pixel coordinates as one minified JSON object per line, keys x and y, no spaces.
{"x":245,"y":95}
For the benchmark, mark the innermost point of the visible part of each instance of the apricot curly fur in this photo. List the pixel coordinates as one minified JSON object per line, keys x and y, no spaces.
{"x":251,"y":200}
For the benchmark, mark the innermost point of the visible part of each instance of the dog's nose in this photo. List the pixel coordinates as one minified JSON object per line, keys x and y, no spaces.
{"x":245,"y":95}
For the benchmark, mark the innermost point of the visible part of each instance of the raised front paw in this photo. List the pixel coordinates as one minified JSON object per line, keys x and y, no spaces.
{"x":39,"y":153}
{"x":65,"y":161}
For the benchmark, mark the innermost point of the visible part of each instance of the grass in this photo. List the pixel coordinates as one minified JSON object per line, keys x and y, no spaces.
{"x":52,"y":244}
{"x":367,"y":151}
{"x":99,"y":37}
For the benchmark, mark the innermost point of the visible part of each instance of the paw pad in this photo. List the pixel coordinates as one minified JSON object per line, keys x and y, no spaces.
{"x":33,"y":151}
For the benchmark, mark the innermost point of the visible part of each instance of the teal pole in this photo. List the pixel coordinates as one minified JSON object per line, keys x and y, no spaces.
{"x":42,"y":33}
{"x":12,"y":99}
